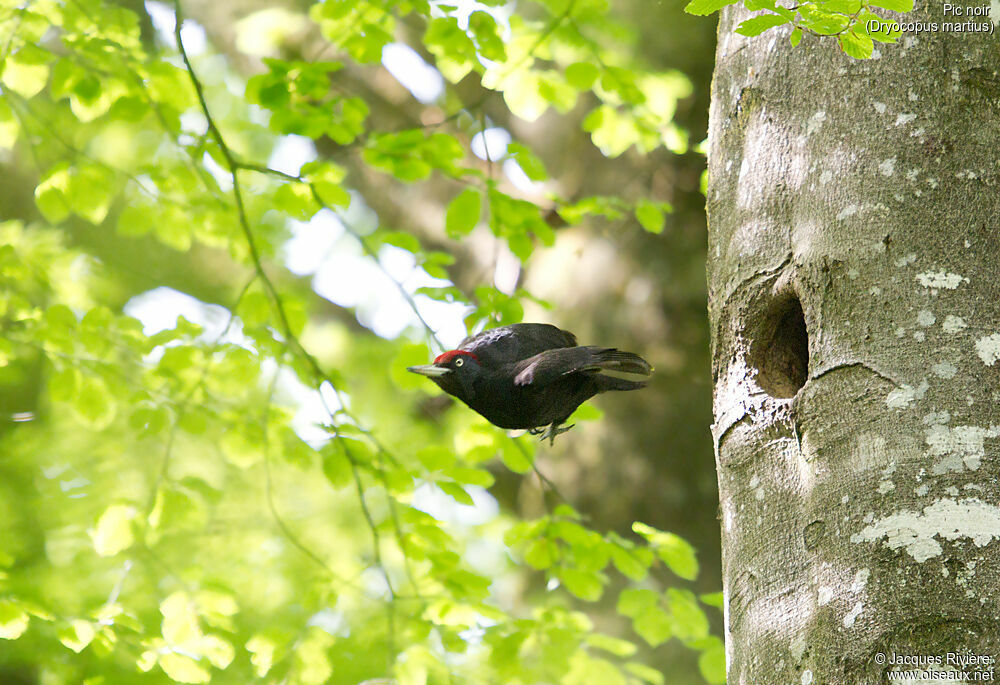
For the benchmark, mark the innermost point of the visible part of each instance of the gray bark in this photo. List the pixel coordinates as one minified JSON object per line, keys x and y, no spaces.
{"x":854,"y":293}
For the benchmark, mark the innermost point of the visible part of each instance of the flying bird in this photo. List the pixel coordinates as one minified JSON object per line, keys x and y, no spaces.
{"x":531,"y":376}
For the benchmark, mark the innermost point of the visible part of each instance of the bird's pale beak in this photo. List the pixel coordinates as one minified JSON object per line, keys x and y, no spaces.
{"x":429,"y":370}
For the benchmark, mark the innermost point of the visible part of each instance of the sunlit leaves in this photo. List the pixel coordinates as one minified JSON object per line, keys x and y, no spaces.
{"x":705,"y":7}
{"x":262,"y":652}
{"x":518,"y":221}
{"x":412,"y":155}
{"x":581,"y":75}
{"x":757,"y":25}
{"x":649,"y":619}
{"x":530,"y":164}
{"x":650,"y":215}
{"x":712,"y":661}
{"x":85,"y":190}
{"x":13,"y":620}
{"x":336,"y":464}
{"x":853,"y":25}
{"x":24,"y":73}
{"x":114,"y":530}
{"x":676,"y":552}
{"x":456,"y":53}
{"x":301,"y":101}
{"x":77,"y":635}
{"x":856,"y":44}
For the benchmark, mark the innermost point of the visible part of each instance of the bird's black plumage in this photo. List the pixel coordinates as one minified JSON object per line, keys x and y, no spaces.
{"x":531,"y":375}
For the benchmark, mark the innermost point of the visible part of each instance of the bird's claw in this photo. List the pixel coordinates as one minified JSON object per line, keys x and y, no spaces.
{"x":551,"y":432}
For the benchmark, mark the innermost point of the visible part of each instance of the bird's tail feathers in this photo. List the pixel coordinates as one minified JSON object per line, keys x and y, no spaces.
{"x":619,"y":370}
{"x":611,"y":359}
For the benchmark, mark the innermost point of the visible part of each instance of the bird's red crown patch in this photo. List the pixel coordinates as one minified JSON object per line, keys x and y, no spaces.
{"x":446,"y":357}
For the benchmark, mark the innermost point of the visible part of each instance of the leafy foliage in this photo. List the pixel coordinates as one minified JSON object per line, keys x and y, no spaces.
{"x":852,"y":22}
{"x":178,"y":521}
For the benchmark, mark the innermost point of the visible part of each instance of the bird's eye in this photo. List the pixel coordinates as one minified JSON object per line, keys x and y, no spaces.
{"x":459,"y":362}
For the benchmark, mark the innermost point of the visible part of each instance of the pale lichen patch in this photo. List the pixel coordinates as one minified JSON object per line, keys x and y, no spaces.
{"x":887,"y":167}
{"x":847,"y":211}
{"x":926,"y":318}
{"x":988,"y":349}
{"x":944,"y":370}
{"x":961,"y":447}
{"x":860,"y":580}
{"x":902,"y":397}
{"x":946,"y":518}
{"x":953,"y":324}
{"x":815,"y":122}
{"x":941,"y":279}
{"x":852,"y":615}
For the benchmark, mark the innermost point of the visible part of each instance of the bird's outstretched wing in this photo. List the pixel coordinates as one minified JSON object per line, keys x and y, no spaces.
{"x":518,"y":341}
{"x":547,"y":367}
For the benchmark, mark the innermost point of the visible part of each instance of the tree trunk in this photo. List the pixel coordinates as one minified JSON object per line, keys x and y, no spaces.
{"x":854,"y":295}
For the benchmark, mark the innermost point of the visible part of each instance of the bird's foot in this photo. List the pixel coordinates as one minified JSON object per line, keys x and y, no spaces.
{"x":551,"y":432}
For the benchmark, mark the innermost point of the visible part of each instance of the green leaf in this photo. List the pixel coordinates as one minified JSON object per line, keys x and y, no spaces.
{"x":513,"y":458}
{"x":336,"y":465}
{"x":77,"y":635}
{"x":581,"y":75}
{"x":10,"y":127}
{"x":484,"y":28}
{"x":463,"y":213}
{"x":712,"y":662}
{"x":894,"y":5}
{"x":435,"y":457}
{"x":400,"y":239}
{"x":13,"y":620}
{"x":113,"y":532}
{"x":713,"y":599}
{"x":757,"y":25}
{"x":183,"y":669}
{"x":456,"y":492}
{"x":530,"y":164}
{"x":689,"y":620}
{"x":631,"y":563}
{"x":654,"y":625}
{"x":633,"y":601}
{"x":612,"y":645}
{"x":706,"y":7}
{"x":541,"y":553}
{"x":676,"y":552}
{"x":650,"y":216}
{"x":644,"y":673}
{"x":50,"y":193}
{"x":796,"y":36}
{"x":412,"y":354}
{"x":94,"y":404}
{"x":471,"y":476}
{"x":587,"y":585}
{"x":27,"y":80}
{"x":880,"y":30}
{"x":855,"y":45}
